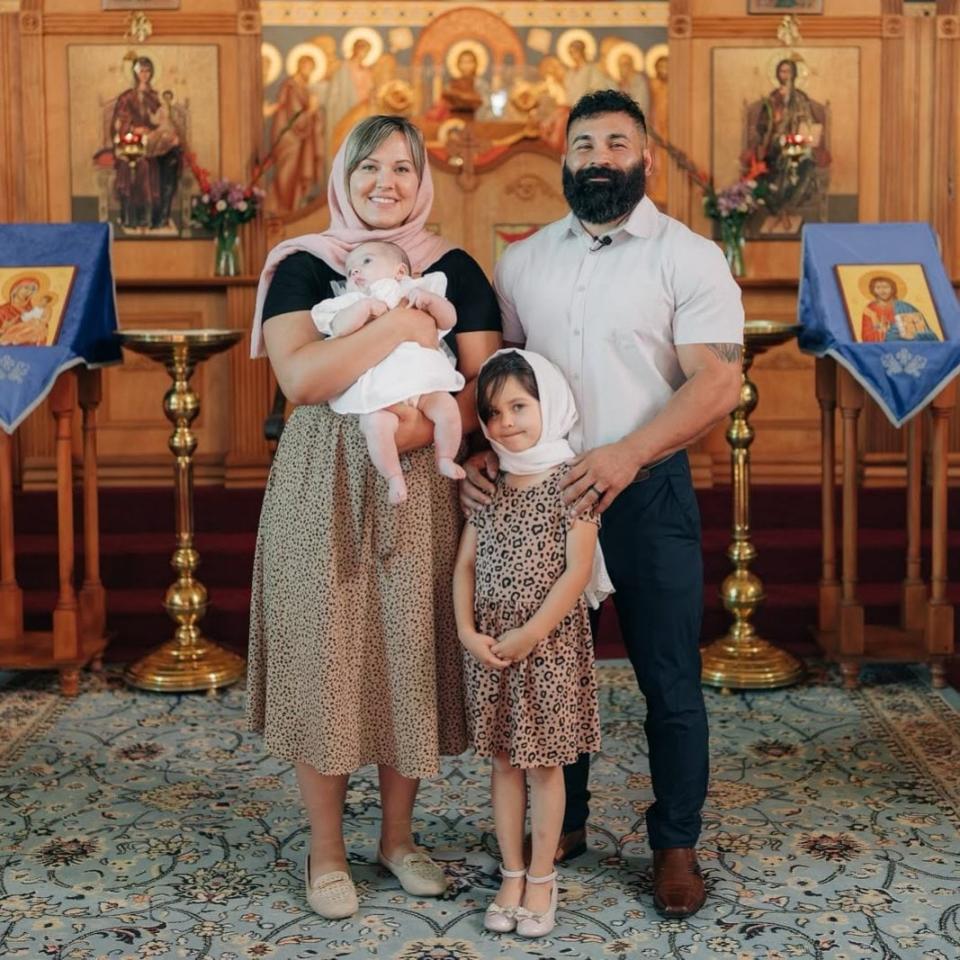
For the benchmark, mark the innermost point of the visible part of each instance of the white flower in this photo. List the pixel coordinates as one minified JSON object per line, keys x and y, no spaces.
{"x":242,"y":205}
{"x":221,"y":205}
{"x":206,"y":198}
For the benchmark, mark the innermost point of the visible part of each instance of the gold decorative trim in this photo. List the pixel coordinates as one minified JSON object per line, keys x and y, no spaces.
{"x":165,"y":23}
{"x":248,"y":22}
{"x":681,"y":27}
{"x":31,"y":22}
{"x":892,"y":26}
{"x":324,"y":13}
{"x":812,"y":28}
{"x":948,"y":28}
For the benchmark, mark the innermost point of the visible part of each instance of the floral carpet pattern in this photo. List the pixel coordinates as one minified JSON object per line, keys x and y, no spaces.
{"x":140,"y":825}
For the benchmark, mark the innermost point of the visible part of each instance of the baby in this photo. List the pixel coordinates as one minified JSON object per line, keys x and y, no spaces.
{"x":378,"y":279}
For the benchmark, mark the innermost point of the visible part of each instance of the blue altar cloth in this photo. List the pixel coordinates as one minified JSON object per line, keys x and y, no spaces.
{"x":52,"y":318}
{"x":876,"y":298}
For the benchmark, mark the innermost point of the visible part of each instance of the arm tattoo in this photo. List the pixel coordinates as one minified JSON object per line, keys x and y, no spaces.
{"x":727,"y":352}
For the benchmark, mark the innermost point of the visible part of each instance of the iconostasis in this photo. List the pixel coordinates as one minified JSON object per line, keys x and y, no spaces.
{"x":490,"y":85}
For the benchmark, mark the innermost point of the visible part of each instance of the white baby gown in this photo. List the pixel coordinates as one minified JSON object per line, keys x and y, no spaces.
{"x":407,"y":372}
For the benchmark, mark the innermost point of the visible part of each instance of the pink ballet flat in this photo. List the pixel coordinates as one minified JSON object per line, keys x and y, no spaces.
{"x":499,"y":919}
{"x":530,"y":924}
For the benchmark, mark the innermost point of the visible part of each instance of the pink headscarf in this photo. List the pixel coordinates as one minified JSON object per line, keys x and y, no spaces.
{"x":347,"y":231}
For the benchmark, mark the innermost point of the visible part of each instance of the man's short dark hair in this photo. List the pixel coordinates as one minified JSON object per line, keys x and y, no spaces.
{"x":607,"y":101}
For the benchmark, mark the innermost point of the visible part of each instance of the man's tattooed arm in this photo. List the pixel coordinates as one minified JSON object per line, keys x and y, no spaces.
{"x":727,"y":352}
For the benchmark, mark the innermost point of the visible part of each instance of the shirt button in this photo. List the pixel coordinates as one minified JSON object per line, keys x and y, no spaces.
{"x":581,"y":288}
{"x":576,"y":333}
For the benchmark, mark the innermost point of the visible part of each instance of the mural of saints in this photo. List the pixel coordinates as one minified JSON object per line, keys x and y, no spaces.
{"x":297,"y":131}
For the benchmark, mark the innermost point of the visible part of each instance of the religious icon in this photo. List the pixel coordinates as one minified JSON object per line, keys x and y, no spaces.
{"x":577,"y":50}
{"x":802,"y":142}
{"x":296,"y":134}
{"x":32,"y":302}
{"x":623,"y":62}
{"x":466,"y":93}
{"x":657,"y":66}
{"x":888,"y":302}
{"x":353,"y":83}
{"x":134,"y":118}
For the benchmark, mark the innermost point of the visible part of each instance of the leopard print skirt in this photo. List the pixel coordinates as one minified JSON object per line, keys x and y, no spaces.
{"x":353,"y":654}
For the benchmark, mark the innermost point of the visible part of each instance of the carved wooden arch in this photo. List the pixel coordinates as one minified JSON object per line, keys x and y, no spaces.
{"x":468,"y":23}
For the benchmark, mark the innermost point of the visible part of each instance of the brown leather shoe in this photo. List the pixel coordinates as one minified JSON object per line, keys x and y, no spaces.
{"x":678,"y":889}
{"x":571,"y":845}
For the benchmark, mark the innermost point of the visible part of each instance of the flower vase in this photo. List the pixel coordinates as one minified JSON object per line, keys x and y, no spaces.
{"x":733,"y":244}
{"x":227,"y":257}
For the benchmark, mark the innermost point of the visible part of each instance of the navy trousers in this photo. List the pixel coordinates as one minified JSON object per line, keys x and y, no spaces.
{"x":651,"y":544}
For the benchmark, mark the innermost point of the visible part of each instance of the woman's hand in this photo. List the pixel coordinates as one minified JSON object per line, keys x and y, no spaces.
{"x":415,"y":430}
{"x":477,"y":489}
{"x":515,"y":645}
{"x":479,"y":646}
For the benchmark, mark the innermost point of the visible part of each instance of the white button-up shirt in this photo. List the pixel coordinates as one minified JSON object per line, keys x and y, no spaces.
{"x":610,"y":317}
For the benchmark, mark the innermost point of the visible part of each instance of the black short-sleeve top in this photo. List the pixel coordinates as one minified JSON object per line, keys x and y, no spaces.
{"x":302,"y":280}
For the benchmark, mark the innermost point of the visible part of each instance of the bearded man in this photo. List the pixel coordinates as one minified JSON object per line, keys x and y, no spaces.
{"x":646,"y":322}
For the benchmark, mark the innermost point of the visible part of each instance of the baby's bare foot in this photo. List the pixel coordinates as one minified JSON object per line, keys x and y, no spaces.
{"x":448,"y":468}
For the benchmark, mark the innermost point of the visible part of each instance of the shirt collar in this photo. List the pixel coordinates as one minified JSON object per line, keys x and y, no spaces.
{"x":642,"y":222}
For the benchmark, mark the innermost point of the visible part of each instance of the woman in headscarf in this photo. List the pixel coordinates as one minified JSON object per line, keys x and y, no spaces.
{"x":353,"y":656}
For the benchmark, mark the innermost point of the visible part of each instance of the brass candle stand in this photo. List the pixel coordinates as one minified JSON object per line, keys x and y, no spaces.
{"x":741,"y":660}
{"x":189,"y":661}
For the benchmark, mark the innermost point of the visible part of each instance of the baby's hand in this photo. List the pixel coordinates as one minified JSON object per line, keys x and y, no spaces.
{"x":376,"y":307}
{"x":479,"y":646}
{"x":514,"y":645}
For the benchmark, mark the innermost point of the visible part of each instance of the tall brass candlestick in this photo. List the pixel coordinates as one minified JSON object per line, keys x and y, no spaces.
{"x":741,"y":660}
{"x":189,"y":661}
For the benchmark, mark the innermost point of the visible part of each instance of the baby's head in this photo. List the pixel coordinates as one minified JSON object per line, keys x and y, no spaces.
{"x":375,"y":260}
{"x":508,"y":401}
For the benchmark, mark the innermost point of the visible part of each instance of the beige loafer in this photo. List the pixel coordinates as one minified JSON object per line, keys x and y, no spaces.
{"x":331,"y":895}
{"x":417,"y":873}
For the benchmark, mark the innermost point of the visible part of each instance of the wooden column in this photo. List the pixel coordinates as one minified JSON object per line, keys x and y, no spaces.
{"x":851,"y":610}
{"x":829,"y":592}
{"x":913,"y":597}
{"x":66,"y":627}
{"x":92,"y":595}
{"x":938,"y":631}
{"x":11,"y":596}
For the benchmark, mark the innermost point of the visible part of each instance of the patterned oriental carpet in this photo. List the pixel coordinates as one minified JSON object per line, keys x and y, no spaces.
{"x":140,"y":825}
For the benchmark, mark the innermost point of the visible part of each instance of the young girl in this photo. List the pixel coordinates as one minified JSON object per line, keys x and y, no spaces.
{"x":519,"y":582}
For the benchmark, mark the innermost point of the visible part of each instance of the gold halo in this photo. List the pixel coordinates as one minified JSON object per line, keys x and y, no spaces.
{"x":803,"y":71}
{"x":269,"y":52}
{"x":443,"y":131}
{"x":307,"y":50}
{"x":614,"y":54}
{"x":567,"y":37}
{"x":655,"y":53}
{"x":866,"y":279}
{"x":362,"y":33}
{"x":43,"y":282}
{"x":476,"y":48}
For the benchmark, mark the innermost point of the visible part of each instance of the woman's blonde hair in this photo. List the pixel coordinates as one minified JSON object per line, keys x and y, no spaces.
{"x":368,"y":134}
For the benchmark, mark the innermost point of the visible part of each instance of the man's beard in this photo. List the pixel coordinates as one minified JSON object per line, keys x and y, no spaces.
{"x":605,"y":201}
